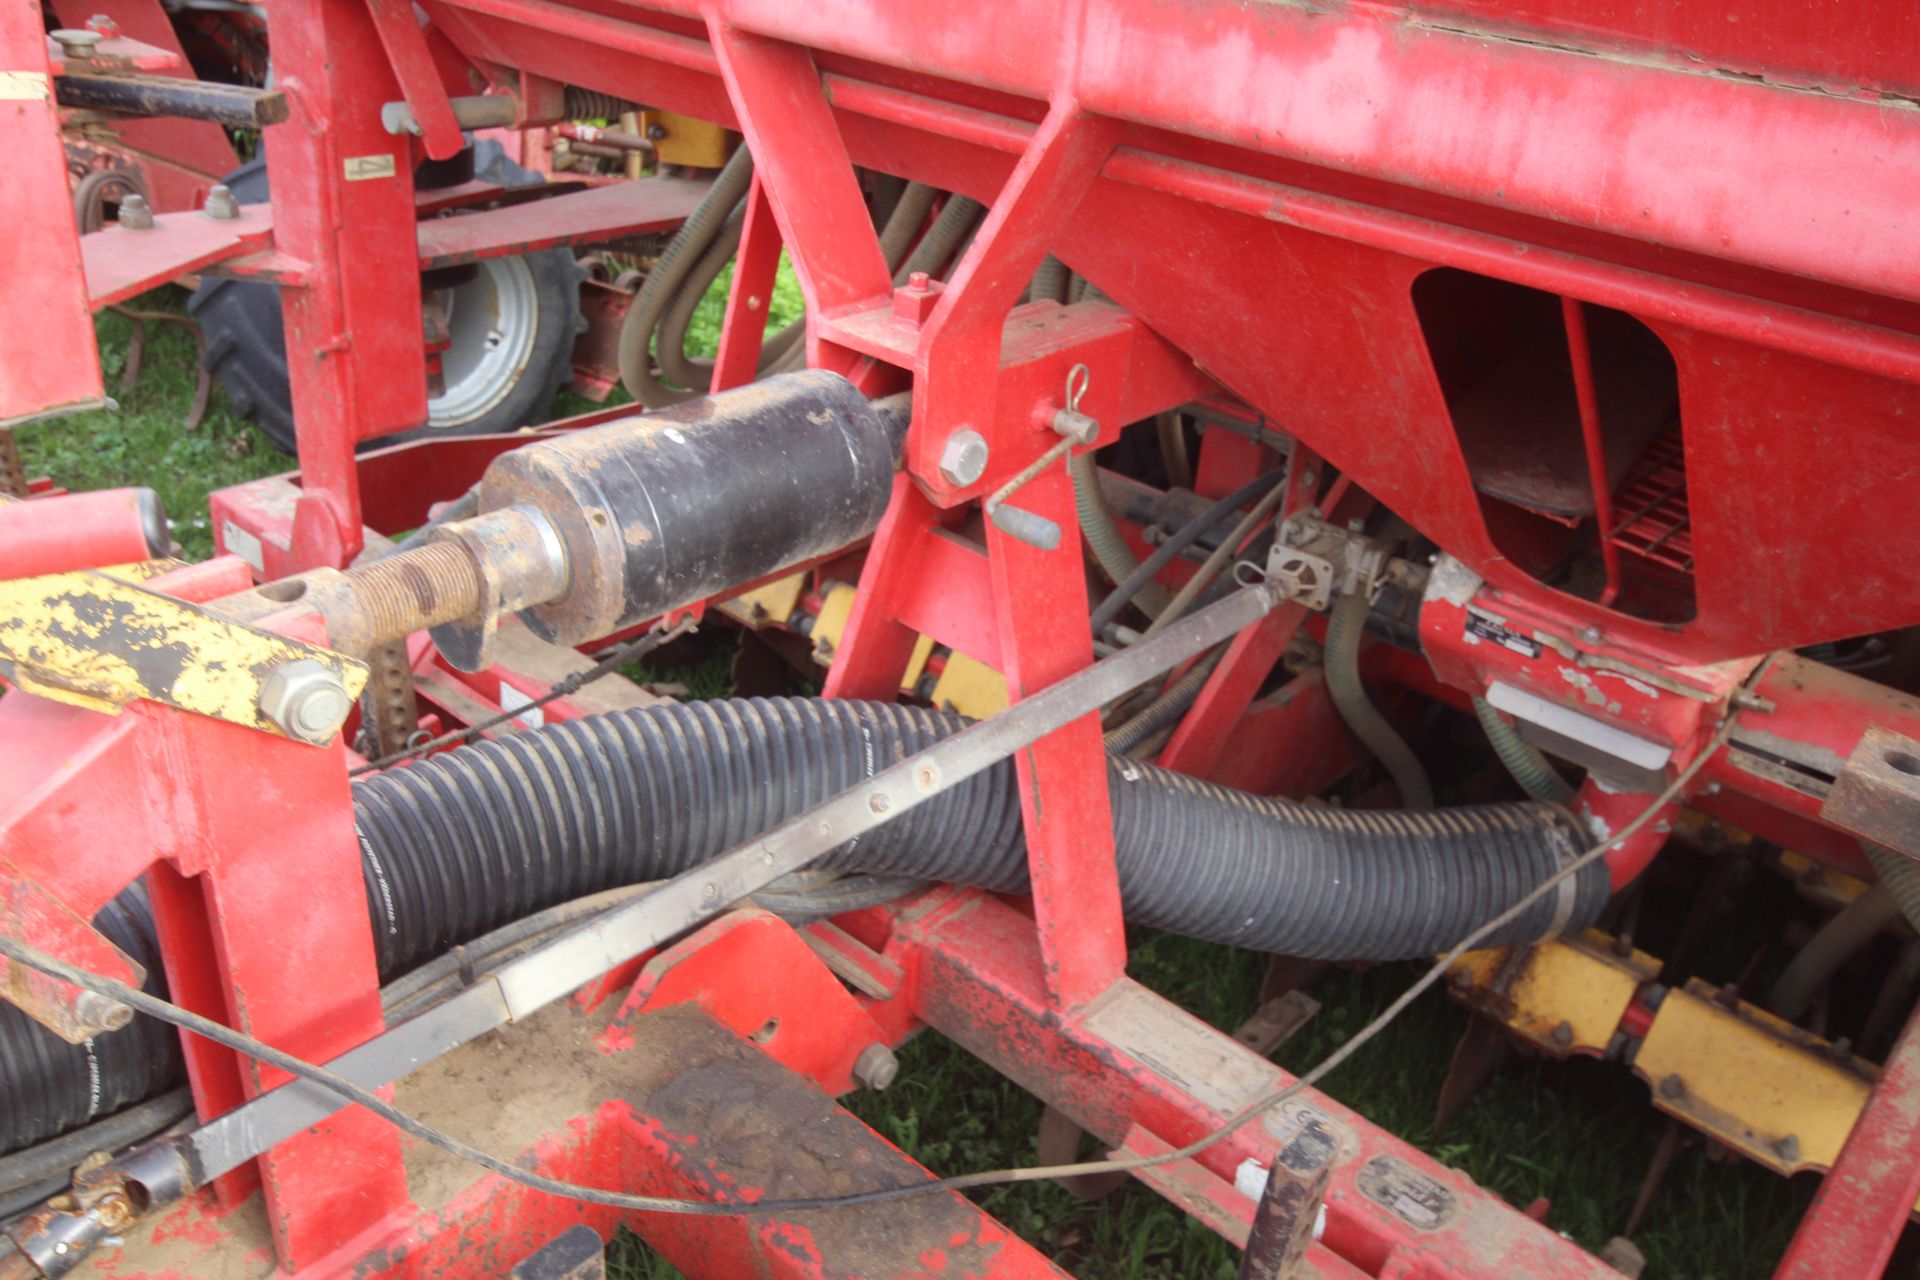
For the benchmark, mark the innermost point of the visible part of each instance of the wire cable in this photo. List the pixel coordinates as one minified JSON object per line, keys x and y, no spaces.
{"x":615,"y":658}
{"x":22,"y":953}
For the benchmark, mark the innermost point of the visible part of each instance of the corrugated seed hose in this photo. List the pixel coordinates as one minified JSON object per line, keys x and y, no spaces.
{"x":1345,"y":623}
{"x":477,"y":837}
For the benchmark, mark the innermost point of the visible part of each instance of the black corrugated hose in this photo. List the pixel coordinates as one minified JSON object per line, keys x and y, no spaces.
{"x":476,"y":837}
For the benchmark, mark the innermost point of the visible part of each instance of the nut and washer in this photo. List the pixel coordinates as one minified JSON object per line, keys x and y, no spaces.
{"x":963,"y":460}
{"x":135,"y":213}
{"x":77,"y":45}
{"x":220,"y":205}
{"x":876,"y":1067}
{"x":306,"y":700}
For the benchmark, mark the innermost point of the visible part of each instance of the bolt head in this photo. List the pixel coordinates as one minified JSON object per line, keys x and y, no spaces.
{"x":1563,"y":1034}
{"x":876,"y":1067}
{"x":918,"y":281}
{"x":1592,"y":635}
{"x":963,"y":459}
{"x":1672,"y":1087}
{"x":306,"y":700}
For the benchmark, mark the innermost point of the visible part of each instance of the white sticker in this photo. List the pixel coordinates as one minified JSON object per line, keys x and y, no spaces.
{"x":511,"y":699}
{"x":361,"y":168}
{"x":24,"y":86}
{"x":239,"y":542}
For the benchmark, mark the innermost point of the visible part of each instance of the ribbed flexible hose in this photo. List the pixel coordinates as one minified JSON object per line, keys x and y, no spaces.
{"x":48,"y":1086}
{"x":1528,"y":765}
{"x":1104,"y":539}
{"x":1049,"y":281}
{"x":956,"y":220}
{"x":474,"y":838}
{"x":1901,"y":875}
{"x":1832,"y":945}
{"x":1345,"y":621}
{"x":662,"y":284}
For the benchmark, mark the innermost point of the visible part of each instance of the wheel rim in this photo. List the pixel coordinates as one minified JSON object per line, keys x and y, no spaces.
{"x":492,"y":323}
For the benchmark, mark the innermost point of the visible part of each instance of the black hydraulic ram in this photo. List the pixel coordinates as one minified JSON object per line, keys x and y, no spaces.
{"x":661,"y":510}
{"x":601,"y":529}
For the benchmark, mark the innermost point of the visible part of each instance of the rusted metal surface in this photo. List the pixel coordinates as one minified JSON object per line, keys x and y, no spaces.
{"x":1290,"y":1205}
{"x":232,"y":105}
{"x":1877,"y":795}
{"x":99,"y":642}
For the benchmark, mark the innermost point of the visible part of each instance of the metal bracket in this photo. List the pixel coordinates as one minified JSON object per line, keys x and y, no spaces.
{"x":91,"y":640}
{"x":1877,"y":796}
{"x":1312,"y":561}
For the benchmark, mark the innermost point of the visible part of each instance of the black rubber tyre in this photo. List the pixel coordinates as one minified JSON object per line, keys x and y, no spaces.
{"x":246,"y":347}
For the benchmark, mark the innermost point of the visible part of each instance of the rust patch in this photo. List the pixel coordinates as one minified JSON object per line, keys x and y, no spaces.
{"x":735,"y":1119}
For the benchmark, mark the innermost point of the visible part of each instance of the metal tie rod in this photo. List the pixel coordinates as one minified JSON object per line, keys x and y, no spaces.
{"x":524,"y":986}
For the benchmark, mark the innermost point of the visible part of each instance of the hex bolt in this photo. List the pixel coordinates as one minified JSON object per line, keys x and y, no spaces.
{"x":306,"y":700}
{"x":919,"y":282}
{"x":876,"y":1067}
{"x":1673,"y":1087}
{"x":1592,"y":635}
{"x":77,"y":45}
{"x":104,"y":24}
{"x":963,"y":459}
{"x":1788,"y":1148}
{"x":1563,"y":1035}
{"x":220,"y":205}
{"x":99,"y":1012}
{"x":879,"y":802}
{"x":135,"y":213}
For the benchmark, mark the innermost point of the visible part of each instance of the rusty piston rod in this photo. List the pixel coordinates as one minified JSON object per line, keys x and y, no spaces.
{"x":599,"y":530}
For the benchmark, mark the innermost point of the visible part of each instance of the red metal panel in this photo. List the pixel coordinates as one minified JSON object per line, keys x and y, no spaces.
{"x":599,"y":213}
{"x":46,"y":328}
{"x":121,"y":264}
{"x":1040,"y":602}
{"x":1836,"y":45}
{"x":750,"y":294}
{"x":343,"y":203}
{"x":1506,"y":123}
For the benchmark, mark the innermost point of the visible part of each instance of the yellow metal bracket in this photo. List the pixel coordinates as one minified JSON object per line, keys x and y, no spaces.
{"x":93,"y":640}
{"x":1562,"y":997}
{"x":1758,"y":1084}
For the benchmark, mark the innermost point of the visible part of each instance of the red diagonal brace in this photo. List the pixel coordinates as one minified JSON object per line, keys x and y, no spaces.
{"x":413,"y":66}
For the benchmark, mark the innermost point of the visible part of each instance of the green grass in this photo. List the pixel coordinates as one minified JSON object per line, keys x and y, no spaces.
{"x":143,"y":441}
{"x":1579,"y":1134}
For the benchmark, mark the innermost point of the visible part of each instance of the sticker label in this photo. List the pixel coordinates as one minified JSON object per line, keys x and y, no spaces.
{"x":361,"y":168}
{"x":24,"y":86}
{"x":511,"y":699}
{"x":1410,"y":1195}
{"x":1480,"y":627}
{"x":243,"y":544}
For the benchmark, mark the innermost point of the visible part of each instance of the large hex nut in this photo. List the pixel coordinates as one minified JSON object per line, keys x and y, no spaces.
{"x":306,"y":699}
{"x":963,"y":459}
